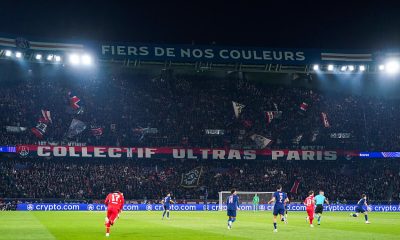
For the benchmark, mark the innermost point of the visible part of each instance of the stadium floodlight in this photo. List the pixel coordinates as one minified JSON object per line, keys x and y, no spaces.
{"x":351,"y":68}
{"x":362,"y":68}
{"x":38,"y":56}
{"x":343,"y":68}
{"x":381,"y":67}
{"x":18,"y":54}
{"x":50,"y":57}
{"x":330,"y":67}
{"x":74,"y":59}
{"x":86,"y":60}
{"x":57,"y":58}
{"x":8,"y":53}
{"x":392,"y":67}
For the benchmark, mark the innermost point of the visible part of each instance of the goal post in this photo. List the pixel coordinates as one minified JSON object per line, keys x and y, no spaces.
{"x":245,"y":198}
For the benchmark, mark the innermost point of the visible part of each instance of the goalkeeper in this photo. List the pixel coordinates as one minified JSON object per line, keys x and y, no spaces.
{"x":256,"y":201}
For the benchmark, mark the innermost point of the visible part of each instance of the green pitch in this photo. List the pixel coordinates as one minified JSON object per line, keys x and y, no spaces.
{"x":193,"y":225}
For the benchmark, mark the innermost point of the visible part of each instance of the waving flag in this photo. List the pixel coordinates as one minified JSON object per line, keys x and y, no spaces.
{"x":76,"y":127}
{"x":304,"y":107}
{"x":276,"y":107}
{"x":270,"y":115}
{"x":191,"y":178}
{"x":75,"y":103}
{"x":46,"y":116}
{"x":325,"y":120}
{"x":314,"y":135}
{"x":261,"y":141}
{"x":41,"y":127}
{"x":237,"y":108}
{"x":96,"y":131}
{"x":295,"y":186}
{"x":297,"y":139}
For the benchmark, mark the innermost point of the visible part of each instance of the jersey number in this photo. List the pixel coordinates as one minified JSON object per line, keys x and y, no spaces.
{"x":115,"y":198}
{"x":230,"y":199}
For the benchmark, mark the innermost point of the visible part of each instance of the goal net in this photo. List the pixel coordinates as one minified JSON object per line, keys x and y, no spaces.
{"x":245,"y":198}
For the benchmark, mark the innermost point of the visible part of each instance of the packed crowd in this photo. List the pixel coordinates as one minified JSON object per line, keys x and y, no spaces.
{"x":124,"y":103}
{"x":151,"y":180}
{"x":181,"y":108}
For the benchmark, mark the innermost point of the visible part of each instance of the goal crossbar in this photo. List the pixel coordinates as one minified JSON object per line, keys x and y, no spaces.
{"x":245,"y":197}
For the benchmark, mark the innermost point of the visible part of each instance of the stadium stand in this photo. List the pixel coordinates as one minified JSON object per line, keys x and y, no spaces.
{"x":122,"y":107}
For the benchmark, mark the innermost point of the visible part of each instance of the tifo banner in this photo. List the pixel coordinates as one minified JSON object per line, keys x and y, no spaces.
{"x":195,"y":53}
{"x":190,"y":207}
{"x":224,"y":54}
{"x":180,"y":153}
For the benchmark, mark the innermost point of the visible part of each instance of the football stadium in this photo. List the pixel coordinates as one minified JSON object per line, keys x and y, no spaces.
{"x":130,"y":139}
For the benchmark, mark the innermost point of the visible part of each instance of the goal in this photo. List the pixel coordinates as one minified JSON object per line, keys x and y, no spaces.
{"x":245,"y":198}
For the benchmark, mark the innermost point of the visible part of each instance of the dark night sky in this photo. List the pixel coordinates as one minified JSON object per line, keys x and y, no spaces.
{"x":327,"y":24}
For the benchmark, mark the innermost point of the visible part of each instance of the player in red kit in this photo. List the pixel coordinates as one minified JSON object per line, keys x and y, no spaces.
{"x":115,"y":203}
{"x":122,"y":203}
{"x":310,"y":205}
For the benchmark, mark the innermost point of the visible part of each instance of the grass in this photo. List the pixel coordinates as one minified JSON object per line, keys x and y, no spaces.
{"x":193,"y":225}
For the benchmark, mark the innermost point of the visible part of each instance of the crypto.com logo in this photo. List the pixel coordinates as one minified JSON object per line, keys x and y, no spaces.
{"x":149,"y":207}
{"x":90,"y":207}
{"x":29,"y":207}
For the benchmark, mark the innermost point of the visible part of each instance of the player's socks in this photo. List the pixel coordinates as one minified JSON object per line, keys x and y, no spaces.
{"x":366,"y":218}
{"x":319,"y":220}
{"x":108,"y":229}
{"x":163,"y":215}
{"x":275,"y":226}
{"x":167,"y":214}
{"x":229,"y":223}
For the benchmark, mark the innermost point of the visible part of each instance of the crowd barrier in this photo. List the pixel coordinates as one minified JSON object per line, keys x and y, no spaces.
{"x":189,"y":207}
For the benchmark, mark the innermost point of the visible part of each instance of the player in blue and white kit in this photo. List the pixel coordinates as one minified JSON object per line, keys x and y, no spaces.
{"x":166,"y":205}
{"x":232,"y":204}
{"x":286,"y":212}
{"x":360,"y":208}
{"x":280,"y":198}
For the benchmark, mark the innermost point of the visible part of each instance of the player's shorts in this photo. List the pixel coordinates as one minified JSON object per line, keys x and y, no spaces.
{"x":278,"y":210}
{"x":166,"y":207}
{"x":360,"y":210}
{"x":319,"y":208}
{"x":310,"y":212}
{"x":112,"y":214}
{"x":231,"y":213}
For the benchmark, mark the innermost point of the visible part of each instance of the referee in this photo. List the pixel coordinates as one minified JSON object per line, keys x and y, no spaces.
{"x":320,"y":199}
